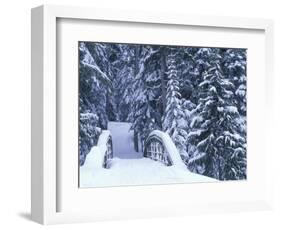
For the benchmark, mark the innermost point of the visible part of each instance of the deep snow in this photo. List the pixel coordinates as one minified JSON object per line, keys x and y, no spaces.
{"x":128,"y":167}
{"x":95,"y":158}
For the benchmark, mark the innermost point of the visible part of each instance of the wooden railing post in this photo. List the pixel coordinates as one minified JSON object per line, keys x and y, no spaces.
{"x":108,"y":154}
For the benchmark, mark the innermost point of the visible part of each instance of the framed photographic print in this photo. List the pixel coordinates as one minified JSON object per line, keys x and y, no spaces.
{"x":156,"y":113}
{"x":134,"y":108}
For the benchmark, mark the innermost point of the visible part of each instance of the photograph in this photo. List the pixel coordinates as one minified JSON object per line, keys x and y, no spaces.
{"x":154,"y":114}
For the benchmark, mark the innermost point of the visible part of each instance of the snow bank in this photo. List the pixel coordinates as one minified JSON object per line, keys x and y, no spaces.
{"x":170,"y":147}
{"x":95,"y":158}
{"x":144,"y":171}
{"x":103,"y":140}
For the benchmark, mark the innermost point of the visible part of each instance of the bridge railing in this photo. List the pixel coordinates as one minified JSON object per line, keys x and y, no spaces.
{"x":108,"y":155}
{"x":160,"y":147}
{"x":105,"y":148}
{"x":100,"y":155}
{"x":155,"y":149}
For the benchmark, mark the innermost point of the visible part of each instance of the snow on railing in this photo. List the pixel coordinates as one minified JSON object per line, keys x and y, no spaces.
{"x":101,"y":154}
{"x":160,"y":147}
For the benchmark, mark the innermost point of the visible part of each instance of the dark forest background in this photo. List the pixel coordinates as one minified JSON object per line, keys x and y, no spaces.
{"x":196,"y":95}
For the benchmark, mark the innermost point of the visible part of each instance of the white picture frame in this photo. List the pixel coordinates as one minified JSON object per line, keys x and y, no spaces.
{"x":46,"y":182}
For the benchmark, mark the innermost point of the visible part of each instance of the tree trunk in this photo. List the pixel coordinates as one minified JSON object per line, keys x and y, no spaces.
{"x":136,"y":70}
{"x":136,"y":142}
{"x":162,"y":72}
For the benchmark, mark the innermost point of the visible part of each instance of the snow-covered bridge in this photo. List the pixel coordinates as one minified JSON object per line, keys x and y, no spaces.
{"x":114,"y":161}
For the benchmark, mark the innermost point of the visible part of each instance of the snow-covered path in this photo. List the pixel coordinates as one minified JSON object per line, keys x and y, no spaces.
{"x":122,"y":140}
{"x":138,"y":172}
{"x":129,"y":167}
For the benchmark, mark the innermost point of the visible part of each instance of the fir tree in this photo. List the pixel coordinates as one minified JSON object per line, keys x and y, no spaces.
{"x":147,"y":91}
{"x":234,"y":67}
{"x":92,"y":96}
{"x":173,"y":114}
{"x":216,"y":133}
{"x":123,"y":82}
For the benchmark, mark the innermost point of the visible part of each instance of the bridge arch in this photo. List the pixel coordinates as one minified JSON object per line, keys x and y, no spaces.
{"x":155,"y":150}
{"x":160,"y":147}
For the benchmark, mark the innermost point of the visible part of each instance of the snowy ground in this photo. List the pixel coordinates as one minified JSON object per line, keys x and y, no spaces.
{"x":129,"y":168}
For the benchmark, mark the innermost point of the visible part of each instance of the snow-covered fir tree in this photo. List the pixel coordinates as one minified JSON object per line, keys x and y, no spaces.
{"x":220,"y":147}
{"x":93,"y":88}
{"x":146,"y":86}
{"x":123,"y":81}
{"x":234,"y":66}
{"x":173,"y":117}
